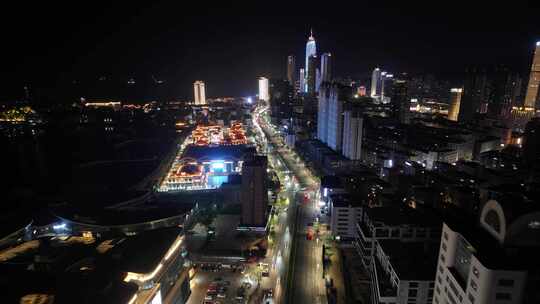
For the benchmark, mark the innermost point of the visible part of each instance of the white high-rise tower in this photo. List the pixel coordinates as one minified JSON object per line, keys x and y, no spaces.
{"x":199,"y":92}
{"x":375,"y":82}
{"x":311,"y":50}
{"x":263,"y":89}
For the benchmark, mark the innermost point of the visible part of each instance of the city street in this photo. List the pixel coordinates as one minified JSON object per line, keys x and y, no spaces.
{"x":306,"y":284}
{"x":278,"y":255}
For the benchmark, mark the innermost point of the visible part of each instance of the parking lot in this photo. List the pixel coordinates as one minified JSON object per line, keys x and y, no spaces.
{"x":213,"y":286}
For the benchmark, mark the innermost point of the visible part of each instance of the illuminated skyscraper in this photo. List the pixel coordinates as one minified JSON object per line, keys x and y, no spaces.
{"x":302,"y":80}
{"x":311,"y":50}
{"x":326,"y":67}
{"x":531,"y":96}
{"x":263,"y":89}
{"x":455,"y":100}
{"x":375,"y":82}
{"x":199,"y":92}
{"x":291,"y":69}
{"x":386,"y":85}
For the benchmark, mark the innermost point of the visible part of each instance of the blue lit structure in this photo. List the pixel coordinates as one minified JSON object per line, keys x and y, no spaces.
{"x":311,"y":50}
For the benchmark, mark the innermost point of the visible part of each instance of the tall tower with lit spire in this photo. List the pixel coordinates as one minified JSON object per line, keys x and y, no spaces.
{"x":311,"y":50}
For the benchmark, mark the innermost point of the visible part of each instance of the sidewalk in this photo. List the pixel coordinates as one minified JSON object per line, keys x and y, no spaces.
{"x":335,"y":274}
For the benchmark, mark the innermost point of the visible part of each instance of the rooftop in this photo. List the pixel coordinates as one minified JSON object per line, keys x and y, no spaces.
{"x":331,"y":181}
{"x":81,"y":270}
{"x":256,"y":160}
{"x":415,"y":261}
{"x":402,"y":215}
{"x":345,"y":200}
{"x":150,"y":248}
{"x":115,"y":217}
{"x":214,"y":153}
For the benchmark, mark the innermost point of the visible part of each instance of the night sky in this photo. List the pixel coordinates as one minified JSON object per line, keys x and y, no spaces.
{"x":49,"y":45}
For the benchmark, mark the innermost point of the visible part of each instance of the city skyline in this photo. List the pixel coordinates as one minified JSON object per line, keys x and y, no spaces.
{"x":93,"y":53}
{"x":297,"y":153}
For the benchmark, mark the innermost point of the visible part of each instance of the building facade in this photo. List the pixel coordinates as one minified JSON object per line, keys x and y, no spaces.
{"x":376,"y":82}
{"x":531,"y":97}
{"x":263,"y":89}
{"x":352,"y":134}
{"x":311,"y":50}
{"x":494,"y":261}
{"x":455,"y":101}
{"x":335,"y":120}
{"x":199,"y":92}
{"x":291,"y":70}
{"x":311,"y":75}
{"x":344,"y":213}
{"x":302,"y":80}
{"x":400,"y":102}
{"x":254,"y":191}
{"x":322,"y":114}
{"x":326,"y":67}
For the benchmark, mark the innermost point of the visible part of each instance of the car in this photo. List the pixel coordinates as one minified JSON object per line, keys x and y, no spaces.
{"x":226,"y":283}
{"x":218,"y":279}
{"x":208,"y":297}
{"x":222,"y":295}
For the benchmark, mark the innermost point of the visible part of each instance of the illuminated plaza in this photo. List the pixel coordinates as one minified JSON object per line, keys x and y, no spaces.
{"x":207,"y":158}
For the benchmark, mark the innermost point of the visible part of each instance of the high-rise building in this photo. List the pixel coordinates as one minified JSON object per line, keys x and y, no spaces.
{"x":387,"y":80}
{"x":335,"y":120}
{"x":475,"y":93}
{"x":322,"y":112}
{"x":352,"y":133}
{"x":400,"y":101}
{"x":302,"y":80}
{"x":326,"y":67}
{"x":281,"y":99}
{"x":199,"y":92}
{"x":332,"y":100}
{"x":494,"y":259}
{"x":375,"y":82}
{"x":254,"y":194}
{"x":291,"y":70}
{"x":531,"y":97}
{"x":311,"y":50}
{"x":318,"y":80}
{"x":311,"y":74}
{"x":455,"y":100}
{"x":263,"y":89}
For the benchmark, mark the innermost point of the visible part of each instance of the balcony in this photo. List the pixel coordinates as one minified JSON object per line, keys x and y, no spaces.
{"x":364,"y":232}
{"x":385,"y":291}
